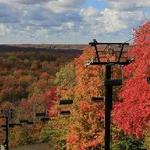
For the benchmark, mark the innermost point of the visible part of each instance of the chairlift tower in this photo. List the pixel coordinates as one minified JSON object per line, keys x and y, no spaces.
{"x":110,"y":49}
{"x":148,"y":80}
{"x":7,"y":115}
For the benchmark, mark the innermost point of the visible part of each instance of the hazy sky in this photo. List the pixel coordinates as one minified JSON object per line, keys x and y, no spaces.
{"x":70,"y":21}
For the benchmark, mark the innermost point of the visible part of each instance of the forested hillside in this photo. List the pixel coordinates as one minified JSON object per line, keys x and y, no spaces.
{"x":26,"y":76}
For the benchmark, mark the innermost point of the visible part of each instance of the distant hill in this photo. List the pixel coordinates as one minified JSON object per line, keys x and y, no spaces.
{"x":42,"y":47}
{"x":59,"y":49}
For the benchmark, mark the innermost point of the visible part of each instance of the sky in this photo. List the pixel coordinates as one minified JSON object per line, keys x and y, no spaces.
{"x":70,"y":21}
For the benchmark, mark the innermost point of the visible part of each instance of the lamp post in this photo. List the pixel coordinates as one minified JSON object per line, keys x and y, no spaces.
{"x":109,"y":82}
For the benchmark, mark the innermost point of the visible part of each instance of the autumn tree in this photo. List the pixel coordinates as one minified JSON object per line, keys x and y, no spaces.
{"x":80,"y":83}
{"x":132,"y":113}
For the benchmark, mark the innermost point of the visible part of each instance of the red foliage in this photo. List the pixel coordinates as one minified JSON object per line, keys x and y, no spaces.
{"x":26,"y":109}
{"x":133,"y":113}
{"x":51,"y":100}
{"x":52,"y":94}
{"x":24,"y":104}
{"x":44,"y":75}
{"x":73,"y":139}
{"x":93,"y":143}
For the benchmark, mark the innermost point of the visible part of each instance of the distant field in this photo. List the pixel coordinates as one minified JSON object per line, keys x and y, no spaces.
{"x":34,"y":147}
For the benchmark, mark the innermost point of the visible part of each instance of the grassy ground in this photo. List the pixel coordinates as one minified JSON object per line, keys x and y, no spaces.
{"x":34,"y":147}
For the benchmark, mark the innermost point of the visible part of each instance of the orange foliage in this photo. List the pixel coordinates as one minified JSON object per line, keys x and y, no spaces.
{"x":87,"y":77}
{"x":86,"y":106}
{"x":73,"y":139}
{"x":85,"y":132}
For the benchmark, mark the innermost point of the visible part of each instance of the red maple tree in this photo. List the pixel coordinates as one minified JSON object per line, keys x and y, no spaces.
{"x":132,"y":114}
